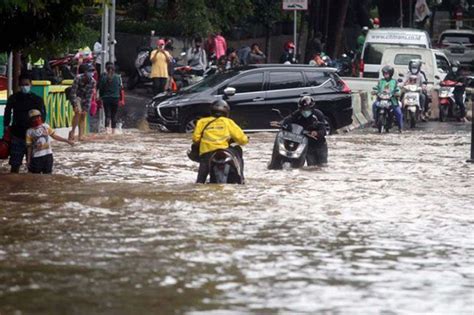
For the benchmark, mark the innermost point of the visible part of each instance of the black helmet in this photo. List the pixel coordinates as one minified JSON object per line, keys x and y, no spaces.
{"x":388,"y":69}
{"x":414,"y":66}
{"x":220,"y":108}
{"x":306,"y":102}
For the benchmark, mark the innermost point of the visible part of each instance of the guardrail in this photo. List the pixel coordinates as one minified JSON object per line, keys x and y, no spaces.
{"x":59,"y":112}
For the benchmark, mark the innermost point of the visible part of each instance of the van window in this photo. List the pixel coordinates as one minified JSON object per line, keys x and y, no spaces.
{"x":404,"y":59}
{"x":249,"y":83}
{"x":373,"y":52}
{"x":442,"y":63}
{"x":286,"y":80}
{"x":452,"y":38}
{"x":316,"y":78}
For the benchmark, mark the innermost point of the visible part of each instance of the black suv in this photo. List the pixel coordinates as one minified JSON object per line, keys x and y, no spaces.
{"x":253,"y":92}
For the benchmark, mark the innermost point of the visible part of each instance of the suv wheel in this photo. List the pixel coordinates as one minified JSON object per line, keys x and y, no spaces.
{"x":189,"y":123}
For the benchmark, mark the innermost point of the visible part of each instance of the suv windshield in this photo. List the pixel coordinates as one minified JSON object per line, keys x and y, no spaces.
{"x":373,"y":52}
{"x":208,"y":82}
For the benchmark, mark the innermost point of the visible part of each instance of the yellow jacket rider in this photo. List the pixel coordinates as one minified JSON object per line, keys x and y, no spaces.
{"x":216,"y":132}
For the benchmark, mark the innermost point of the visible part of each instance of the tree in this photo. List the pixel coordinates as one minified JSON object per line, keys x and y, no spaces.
{"x":33,"y":24}
{"x":27,"y":23}
{"x":338,"y":9}
{"x":267,"y":12}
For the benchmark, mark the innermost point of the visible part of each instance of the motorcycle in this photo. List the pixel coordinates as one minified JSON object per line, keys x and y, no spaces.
{"x":447,"y":103}
{"x":142,"y":71}
{"x":385,"y":114}
{"x":411,"y":102}
{"x":226,"y":167}
{"x":343,"y":65}
{"x":291,"y":146}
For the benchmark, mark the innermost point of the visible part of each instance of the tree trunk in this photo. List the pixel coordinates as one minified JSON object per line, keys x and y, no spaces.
{"x":336,"y":27}
{"x":268,"y":48}
{"x":16,"y":70}
{"x":311,"y":22}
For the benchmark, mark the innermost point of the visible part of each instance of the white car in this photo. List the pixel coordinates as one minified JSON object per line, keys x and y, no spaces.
{"x":458,"y":45}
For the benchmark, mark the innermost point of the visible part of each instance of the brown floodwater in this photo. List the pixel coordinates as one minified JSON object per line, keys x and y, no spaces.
{"x":120,"y":228}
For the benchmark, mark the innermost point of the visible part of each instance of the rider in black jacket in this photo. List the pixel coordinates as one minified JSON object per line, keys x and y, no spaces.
{"x":461,"y":77}
{"x":311,"y":119}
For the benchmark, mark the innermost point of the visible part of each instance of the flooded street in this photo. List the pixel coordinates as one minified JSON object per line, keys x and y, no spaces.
{"x":385,"y":228}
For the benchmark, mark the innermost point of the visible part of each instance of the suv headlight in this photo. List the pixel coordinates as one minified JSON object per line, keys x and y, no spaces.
{"x":170,"y":113}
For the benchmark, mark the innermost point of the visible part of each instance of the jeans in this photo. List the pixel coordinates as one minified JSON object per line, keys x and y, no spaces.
{"x":17,"y":152}
{"x":396,"y":110}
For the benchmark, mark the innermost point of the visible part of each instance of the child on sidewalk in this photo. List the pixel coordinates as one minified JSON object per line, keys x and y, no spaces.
{"x":39,"y":153}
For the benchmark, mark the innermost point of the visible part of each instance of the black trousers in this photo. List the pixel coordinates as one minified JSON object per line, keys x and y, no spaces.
{"x":317,"y":154}
{"x":159,"y":85}
{"x":42,"y":164}
{"x":110,"y":109}
{"x":458,"y":98}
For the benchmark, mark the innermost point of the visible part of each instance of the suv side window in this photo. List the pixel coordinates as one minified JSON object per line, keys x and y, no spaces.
{"x":442,"y":63}
{"x":316,"y":78}
{"x":285,"y":80}
{"x":248,"y":83}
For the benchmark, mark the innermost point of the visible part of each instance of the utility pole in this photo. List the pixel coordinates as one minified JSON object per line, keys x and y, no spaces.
{"x":401,"y":13}
{"x":105,"y":36}
{"x":112,"y":31}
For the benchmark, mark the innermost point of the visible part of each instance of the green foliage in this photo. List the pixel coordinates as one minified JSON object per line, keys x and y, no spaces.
{"x":34,"y":25}
{"x":267,"y":12}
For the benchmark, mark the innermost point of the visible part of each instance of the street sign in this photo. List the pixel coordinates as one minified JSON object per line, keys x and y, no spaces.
{"x":294,"y":5}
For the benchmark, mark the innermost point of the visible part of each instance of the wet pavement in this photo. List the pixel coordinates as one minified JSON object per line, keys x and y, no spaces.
{"x":120,"y":228}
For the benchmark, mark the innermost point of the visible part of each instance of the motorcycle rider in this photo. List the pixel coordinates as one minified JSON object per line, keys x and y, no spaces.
{"x":388,"y":83}
{"x":216,"y":132}
{"x":414,"y":69}
{"x":312,"y":120}
{"x":459,"y":74}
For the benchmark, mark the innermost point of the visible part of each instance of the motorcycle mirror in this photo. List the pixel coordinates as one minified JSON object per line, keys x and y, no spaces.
{"x":229,"y":91}
{"x":277,"y":111}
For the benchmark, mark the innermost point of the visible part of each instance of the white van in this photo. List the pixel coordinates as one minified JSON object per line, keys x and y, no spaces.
{"x":434,"y":62}
{"x":378,"y":40}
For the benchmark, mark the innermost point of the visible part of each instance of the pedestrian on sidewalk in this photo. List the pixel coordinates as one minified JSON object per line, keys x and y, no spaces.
{"x":109,"y":90}
{"x":82,"y":91}
{"x":197,"y":58}
{"x":160,"y":59}
{"x":256,"y":56}
{"x":16,"y":113}
{"x":39,"y":152}
{"x":220,"y":44}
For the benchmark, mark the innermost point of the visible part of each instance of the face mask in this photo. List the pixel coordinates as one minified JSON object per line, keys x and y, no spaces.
{"x":25,"y":88}
{"x":306,"y":113}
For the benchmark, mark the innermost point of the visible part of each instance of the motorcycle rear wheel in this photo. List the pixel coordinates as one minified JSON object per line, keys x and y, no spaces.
{"x":412,"y":116}
{"x":443,"y":113}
